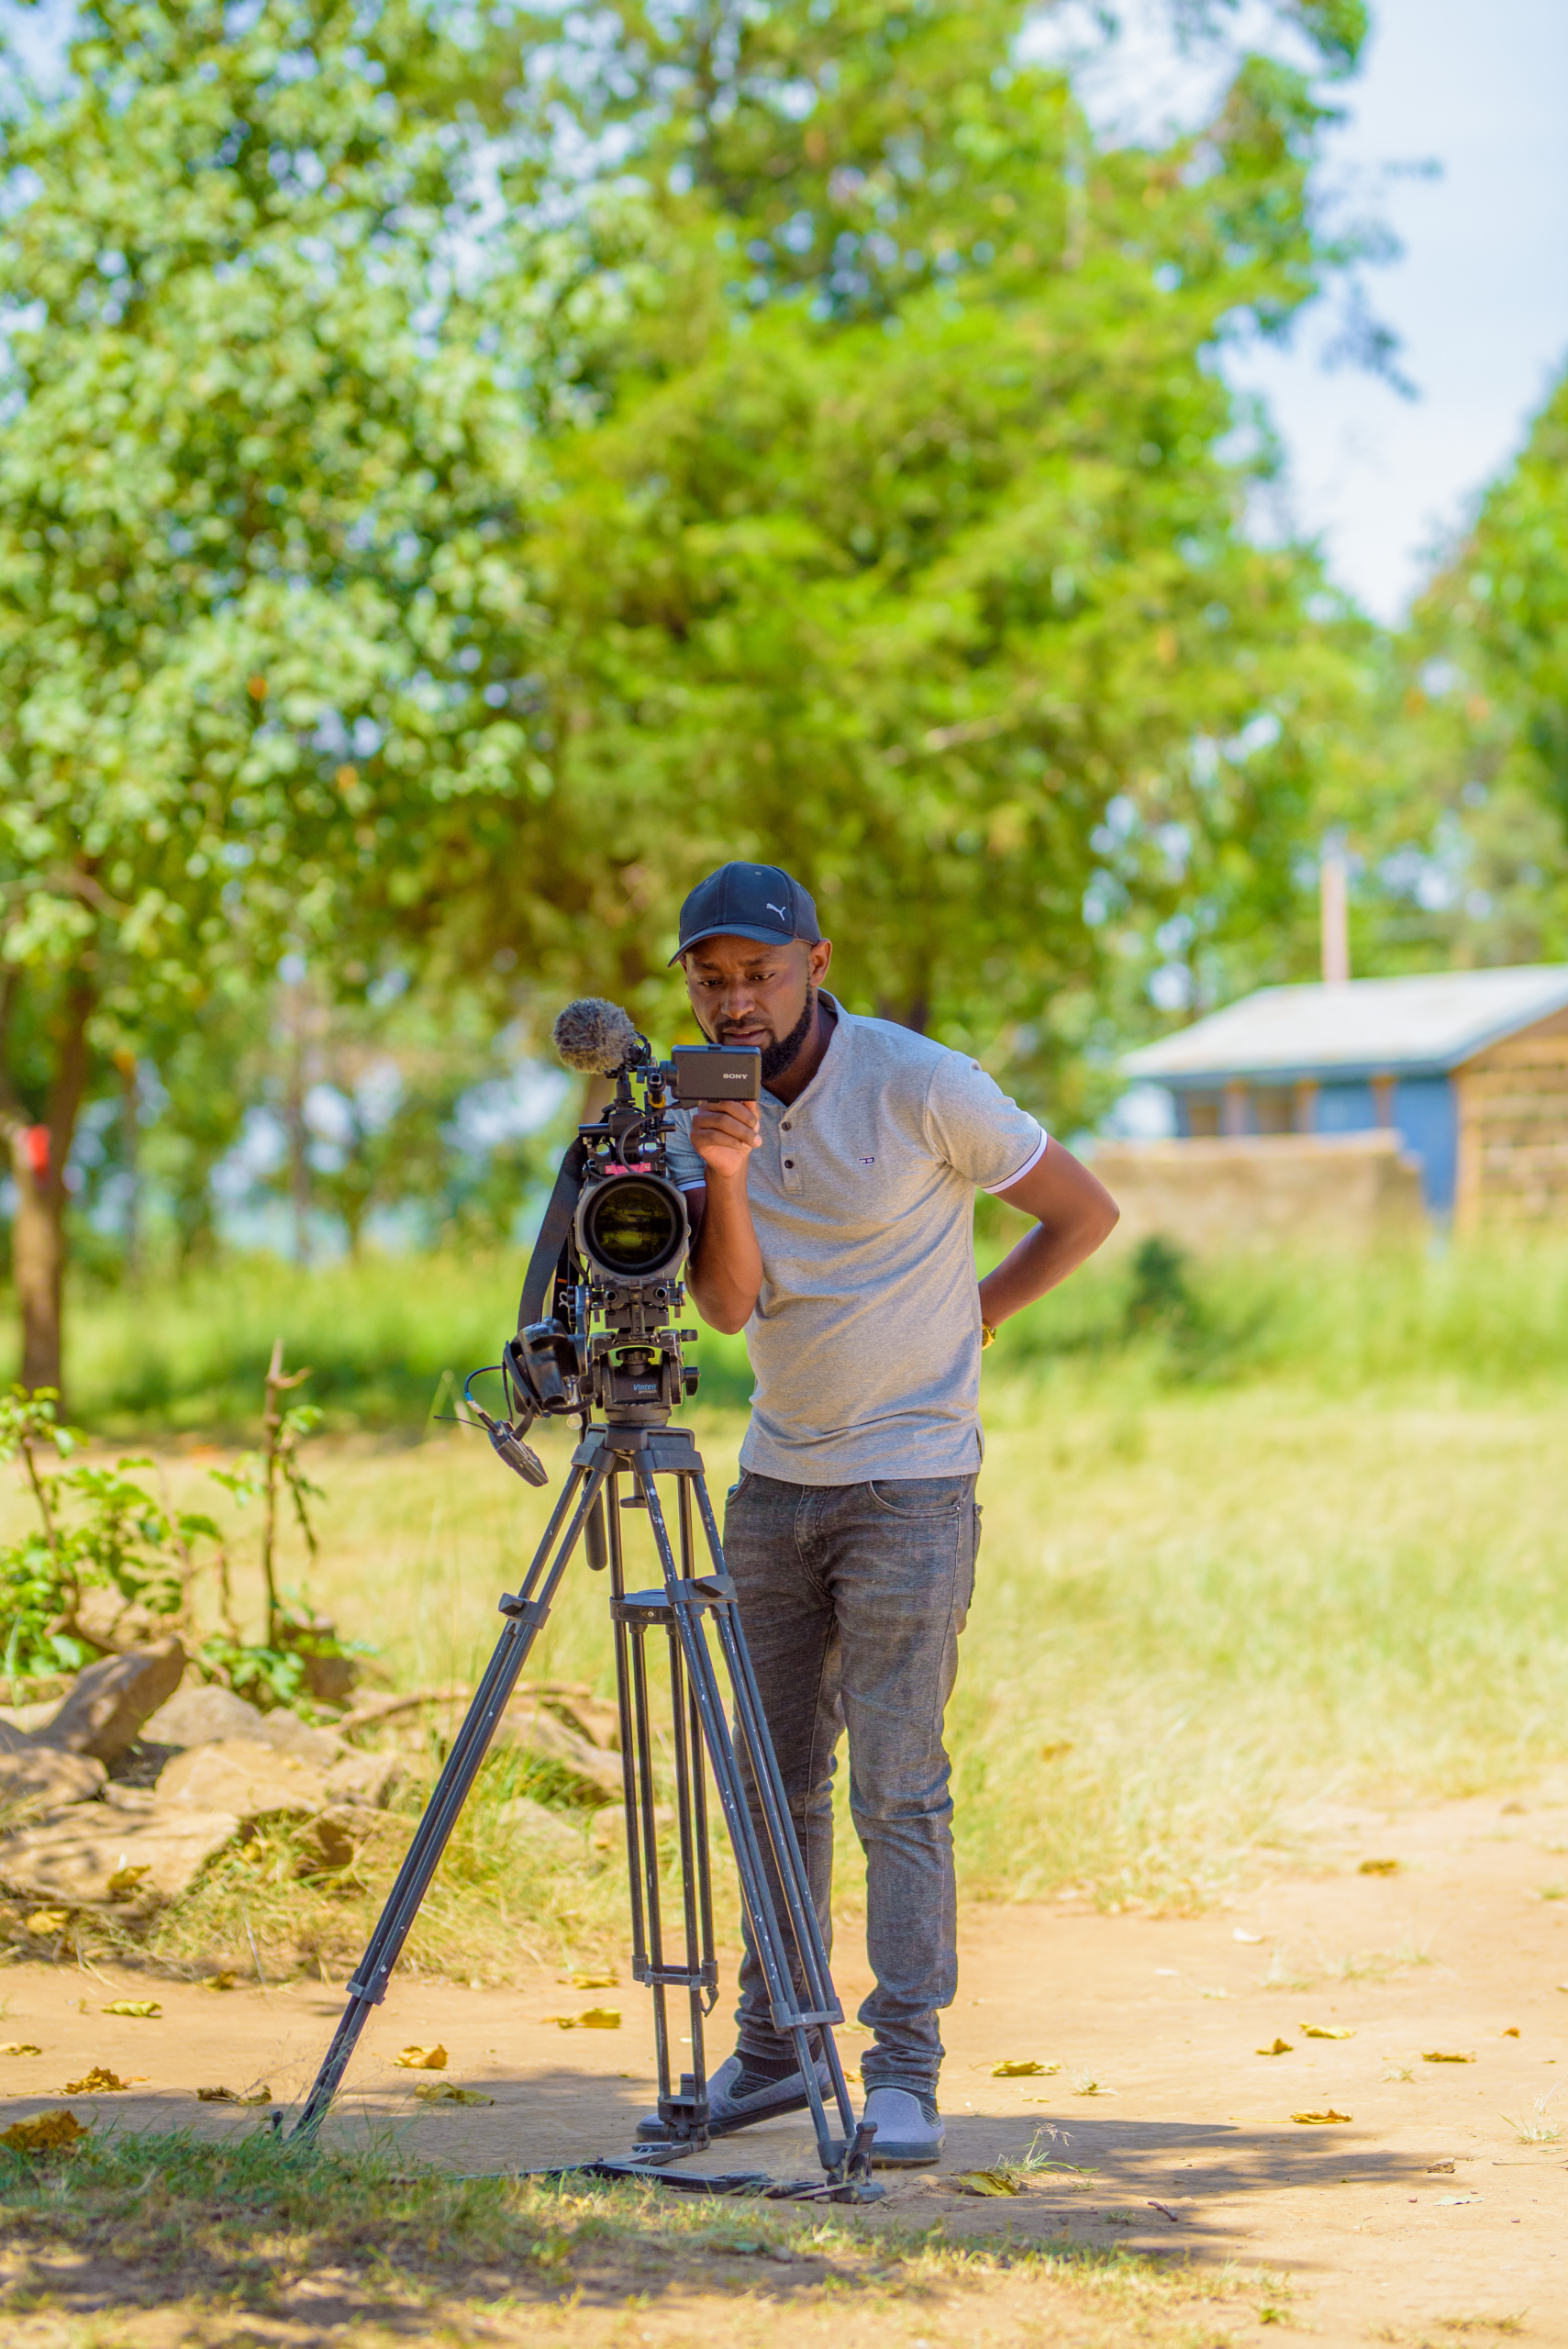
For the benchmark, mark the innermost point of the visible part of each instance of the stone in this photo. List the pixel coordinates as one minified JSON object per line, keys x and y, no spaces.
{"x":291,"y":1735}
{"x":365,"y":1778}
{"x":336,"y":1835}
{"x":103,"y":1713}
{"x":91,"y":1857}
{"x":591,"y":1717}
{"x":199,"y":1713}
{"x":541,"y":1829}
{"x":30,"y":1717}
{"x":115,"y":1623}
{"x":242,"y":1775}
{"x":594,"y":1776}
{"x":35,"y":1777}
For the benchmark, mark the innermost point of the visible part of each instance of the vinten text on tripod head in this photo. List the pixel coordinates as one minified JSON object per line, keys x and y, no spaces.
{"x":595,"y":1327}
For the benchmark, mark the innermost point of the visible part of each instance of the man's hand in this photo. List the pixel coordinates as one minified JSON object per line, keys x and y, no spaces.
{"x":724,"y":1135}
{"x":726,"y":1273}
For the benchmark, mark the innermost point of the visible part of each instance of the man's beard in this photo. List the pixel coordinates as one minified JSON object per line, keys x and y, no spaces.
{"x":783,"y":1052}
{"x":777,"y":1057}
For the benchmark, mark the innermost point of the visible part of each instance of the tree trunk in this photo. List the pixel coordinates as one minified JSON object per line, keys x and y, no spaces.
{"x":130,"y":1129}
{"x":38,"y":1154}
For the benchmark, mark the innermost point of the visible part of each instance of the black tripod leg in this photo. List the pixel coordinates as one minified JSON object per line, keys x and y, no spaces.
{"x":797,"y":2021}
{"x":525,"y":1615}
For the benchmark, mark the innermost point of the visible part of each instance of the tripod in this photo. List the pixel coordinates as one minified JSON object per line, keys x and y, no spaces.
{"x":790,"y":1949}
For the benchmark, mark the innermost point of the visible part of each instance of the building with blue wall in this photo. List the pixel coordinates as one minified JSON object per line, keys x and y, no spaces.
{"x":1468,"y":1068}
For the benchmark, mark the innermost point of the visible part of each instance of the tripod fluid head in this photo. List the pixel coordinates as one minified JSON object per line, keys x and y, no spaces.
{"x":596,"y":1325}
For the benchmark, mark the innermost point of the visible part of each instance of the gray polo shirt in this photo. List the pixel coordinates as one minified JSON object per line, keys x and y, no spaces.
{"x":865,"y":1342}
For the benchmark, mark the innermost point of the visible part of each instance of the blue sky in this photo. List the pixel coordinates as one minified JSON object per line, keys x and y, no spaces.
{"x":1479,"y":296}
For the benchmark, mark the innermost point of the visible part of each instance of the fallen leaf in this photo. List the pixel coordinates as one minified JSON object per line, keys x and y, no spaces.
{"x":20,"y":2047}
{"x":600,"y":2019}
{"x":46,"y":2133}
{"x":232,"y":2096}
{"x":148,"y":2008}
{"x":49,"y":1921}
{"x":1325,"y":2031}
{"x":446,"y":2093}
{"x":1320,"y":2119}
{"x":589,"y":1981}
{"x":1378,"y":1867}
{"x":224,"y":1981}
{"x":422,"y":2059}
{"x":1280,"y":2047}
{"x":124,"y":1882}
{"x":984,"y":2182}
{"x":1512,"y":2031}
{"x":99,"y":2081}
{"x":1440,"y":2169}
{"x":1438,"y":2057}
{"x":1022,"y":2068}
{"x":1251,"y":1940}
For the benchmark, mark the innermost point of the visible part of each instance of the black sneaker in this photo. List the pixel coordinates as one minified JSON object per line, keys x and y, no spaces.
{"x":738,"y":2099}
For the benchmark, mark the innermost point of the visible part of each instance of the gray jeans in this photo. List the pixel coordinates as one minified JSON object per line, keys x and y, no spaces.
{"x":851,"y":1599}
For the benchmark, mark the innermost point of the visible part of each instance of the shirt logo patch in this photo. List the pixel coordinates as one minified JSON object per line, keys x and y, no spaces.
{"x":865,"y":1162}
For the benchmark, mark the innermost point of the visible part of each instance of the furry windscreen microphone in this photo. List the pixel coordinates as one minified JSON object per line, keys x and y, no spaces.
{"x":594,"y":1036}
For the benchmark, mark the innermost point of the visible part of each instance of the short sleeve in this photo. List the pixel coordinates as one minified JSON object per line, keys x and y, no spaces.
{"x":972,"y":1124}
{"x":686,"y":1170}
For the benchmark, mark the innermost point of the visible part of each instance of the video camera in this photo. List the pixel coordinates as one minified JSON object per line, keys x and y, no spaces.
{"x":604,"y":1281}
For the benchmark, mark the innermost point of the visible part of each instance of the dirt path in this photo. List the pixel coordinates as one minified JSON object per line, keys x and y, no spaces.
{"x":1426,"y":2216}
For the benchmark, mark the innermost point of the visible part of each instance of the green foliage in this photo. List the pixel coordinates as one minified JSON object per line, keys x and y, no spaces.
{"x":97,"y":1530}
{"x":906,"y":545}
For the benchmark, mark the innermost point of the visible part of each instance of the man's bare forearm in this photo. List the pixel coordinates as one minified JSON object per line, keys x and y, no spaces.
{"x":1041,"y":1260}
{"x":726,"y":1274}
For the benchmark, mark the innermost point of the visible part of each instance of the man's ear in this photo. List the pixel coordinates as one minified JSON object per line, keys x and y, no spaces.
{"x":818,"y":957}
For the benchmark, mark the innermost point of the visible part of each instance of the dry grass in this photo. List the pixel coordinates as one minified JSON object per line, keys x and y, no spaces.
{"x":159,"y":2238}
{"x":1194,"y":1612}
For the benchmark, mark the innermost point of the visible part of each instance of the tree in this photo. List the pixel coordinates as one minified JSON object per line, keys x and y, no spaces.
{"x":261,"y":442}
{"x":907,"y":538}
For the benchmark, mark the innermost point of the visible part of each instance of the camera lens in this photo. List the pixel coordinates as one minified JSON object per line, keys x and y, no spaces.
{"x":632,"y":1228}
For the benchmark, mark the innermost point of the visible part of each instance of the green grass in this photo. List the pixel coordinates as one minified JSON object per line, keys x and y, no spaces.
{"x":1214,"y":1585}
{"x":387,"y":1337}
{"x":170,"y":2236}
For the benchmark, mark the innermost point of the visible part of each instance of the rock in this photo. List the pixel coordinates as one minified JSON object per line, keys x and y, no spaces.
{"x":335,"y":1836}
{"x":541,"y":1829}
{"x":199,"y":1713}
{"x":596,"y":1776}
{"x":365,"y":1778}
{"x":33,"y":1777}
{"x":109,"y":1702}
{"x":115,"y":1623}
{"x":242,"y":1775}
{"x":291,"y":1735}
{"x":89,"y":1857}
{"x":608,"y":1831}
{"x":30,"y":1719}
{"x":591,"y":1717}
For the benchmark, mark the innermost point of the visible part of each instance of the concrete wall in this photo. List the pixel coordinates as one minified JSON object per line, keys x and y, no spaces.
{"x":1317,"y":1190}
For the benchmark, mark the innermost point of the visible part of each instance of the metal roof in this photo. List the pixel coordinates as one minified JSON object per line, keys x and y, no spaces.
{"x":1361,"y":1026}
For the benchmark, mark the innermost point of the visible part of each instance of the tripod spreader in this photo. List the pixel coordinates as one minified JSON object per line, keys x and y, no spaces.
{"x":687,"y":1617}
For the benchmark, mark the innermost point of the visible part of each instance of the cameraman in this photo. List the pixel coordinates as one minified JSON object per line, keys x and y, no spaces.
{"x":834,"y":1224}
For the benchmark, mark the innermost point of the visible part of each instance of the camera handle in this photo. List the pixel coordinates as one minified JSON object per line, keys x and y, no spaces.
{"x":790,"y":1949}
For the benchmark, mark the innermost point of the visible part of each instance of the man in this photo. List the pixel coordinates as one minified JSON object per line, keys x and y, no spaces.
{"x":834,"y":1225}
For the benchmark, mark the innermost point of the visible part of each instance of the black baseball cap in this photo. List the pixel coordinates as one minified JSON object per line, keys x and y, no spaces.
{"x":757,"y":901}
